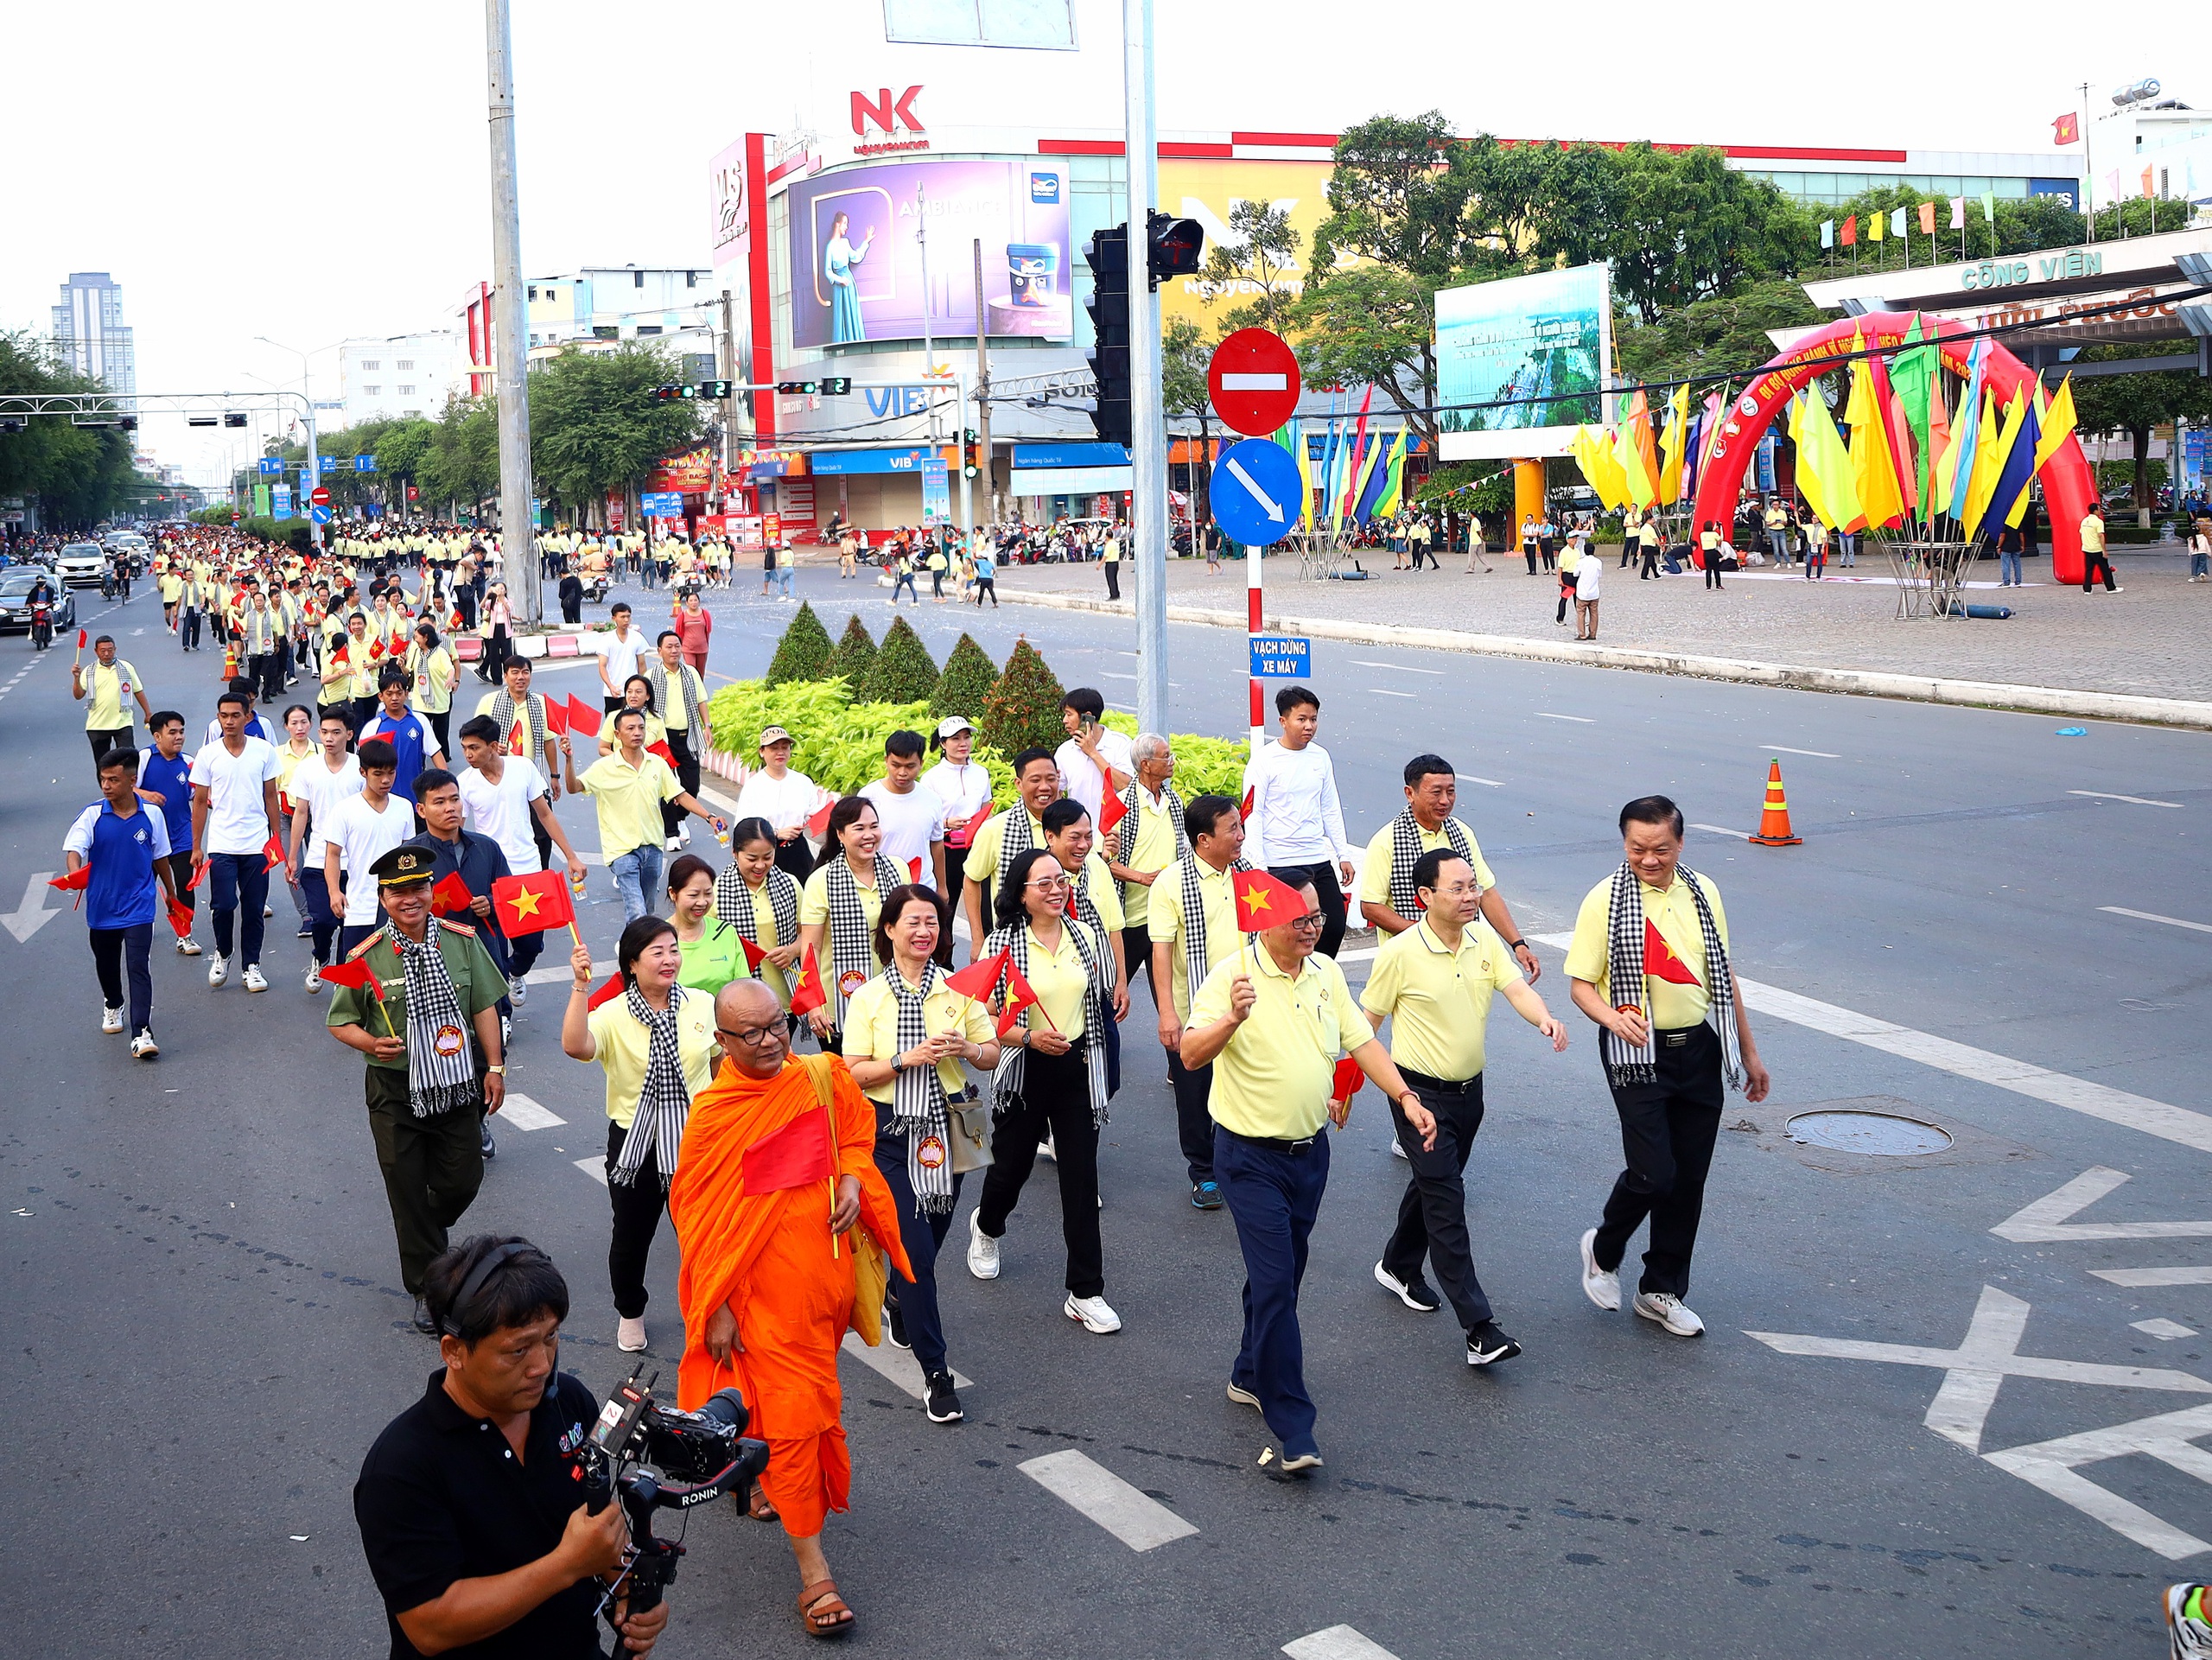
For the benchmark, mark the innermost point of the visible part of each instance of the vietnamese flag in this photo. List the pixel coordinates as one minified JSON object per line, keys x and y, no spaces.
{"x":583,"y":719}
{"x":807,"y":991}
{"x":340,"y":655}
{"x":272,"y":855}
{"x":1660,"y":960}
{"x":451,"y":894}
{"x":1019,"y":994}
{"x":659,"y":746}
{"x":607,"y":990}
{"x":754,"y":955}
{"x":1347,"y":1081}
{"x":198,"y":877}
{"x":979,"y":978}
{"x":518,"y":740}
{"x":357,"y":974}
{"x":74,"y":882}
{"x":375,"y":648}
{"x":794,"y":1156}
{"x":181,"y":919}
{"x":1264,"y":901}
{"x":532,"y":904}
{"x":1111,"y":811}
{"x":818,"y":822}
{"x":557,"y":716}
{"x":1244,"y":807}
{"x":914,"y":868}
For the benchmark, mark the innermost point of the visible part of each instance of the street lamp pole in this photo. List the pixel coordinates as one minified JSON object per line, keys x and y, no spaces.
{"x":314,"y":469}
{"x":510,"y":362}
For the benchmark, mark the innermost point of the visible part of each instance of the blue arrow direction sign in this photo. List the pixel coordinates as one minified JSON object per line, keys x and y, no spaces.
{"x":1256,"y":492}
{"x":320,"y":515}
{"x":272,"y":466}
{"x":365,"y":463}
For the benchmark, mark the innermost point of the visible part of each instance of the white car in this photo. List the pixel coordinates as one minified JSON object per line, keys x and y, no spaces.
{"x":79,"y":565}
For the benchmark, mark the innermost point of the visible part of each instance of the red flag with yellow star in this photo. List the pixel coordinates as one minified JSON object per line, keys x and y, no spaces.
{"x":1264,"y":901}
{"x":807,"y":993}
{"x":532,"y":904}
{"x":1661,"y":961}
{"x":451,"y":894}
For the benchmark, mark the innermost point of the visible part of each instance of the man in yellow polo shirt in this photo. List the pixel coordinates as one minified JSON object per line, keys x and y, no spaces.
{"x":1386,"y":892}
{"x":1187,"y":938}
{"x":1271,"y":1020}
{"x":2095,"y":559}
{"x":1648,"y":964}
{"x":1435,"y":981}
{"x":107,"y":687}
{"x":1037,"y":783}
{"x":626,"y":789}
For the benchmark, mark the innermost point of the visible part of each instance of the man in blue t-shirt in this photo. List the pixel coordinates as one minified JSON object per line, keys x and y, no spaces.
{"x":408,"y":732}
{"x":165,"y":781}
{"x":122,"y":844}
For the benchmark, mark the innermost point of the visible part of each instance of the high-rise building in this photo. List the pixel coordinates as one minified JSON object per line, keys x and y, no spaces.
{"x":90,"y":334}
{"x":397,"y":375}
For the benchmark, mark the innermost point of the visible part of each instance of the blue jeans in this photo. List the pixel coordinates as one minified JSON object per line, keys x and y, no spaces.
{"x":923,"y":1235}
{"x":637,"y":874}
{"x":2008,"y":568}
{"x":784,"y":580}
{"x":239,"y":883}
{"x":2200,"y":564}
{"x":1274,"y":1197}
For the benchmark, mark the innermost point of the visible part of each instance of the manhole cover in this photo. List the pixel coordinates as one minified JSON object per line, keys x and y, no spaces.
{"x":1879,"y":1135}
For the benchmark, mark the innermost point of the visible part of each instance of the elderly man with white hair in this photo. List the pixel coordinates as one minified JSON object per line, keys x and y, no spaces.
{"x":1145,"y":838}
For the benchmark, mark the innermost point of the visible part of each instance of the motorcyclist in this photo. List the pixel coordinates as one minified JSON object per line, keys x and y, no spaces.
{"x":40,"y":601}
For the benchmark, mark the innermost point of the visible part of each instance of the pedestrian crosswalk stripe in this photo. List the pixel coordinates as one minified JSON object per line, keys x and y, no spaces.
{"x":895,"y":1366}
{"x":1137,"y":1519}
{"x":595,"y":1168}
{"x":1336,"y":1642}
{"x":519,"y":1111}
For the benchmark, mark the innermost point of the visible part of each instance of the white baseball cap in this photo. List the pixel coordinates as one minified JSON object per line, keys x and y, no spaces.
{"x":773,"y":734}
{"x":952,"y":725}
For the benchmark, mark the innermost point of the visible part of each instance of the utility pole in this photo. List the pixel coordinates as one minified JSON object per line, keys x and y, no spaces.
{"x":1147,"y":425}
{"x":728,"y":358}
{"x":983,"y":398}
{"x":2088,"y":179}
{"x":510,"y":325}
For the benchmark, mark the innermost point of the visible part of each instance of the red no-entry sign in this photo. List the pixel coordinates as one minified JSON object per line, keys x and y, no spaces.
{"x":319,"y":496}
{"x":1252,"y":381}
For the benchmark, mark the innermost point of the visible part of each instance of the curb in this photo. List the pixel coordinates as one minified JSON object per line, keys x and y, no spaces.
{"x":1861,"y":683}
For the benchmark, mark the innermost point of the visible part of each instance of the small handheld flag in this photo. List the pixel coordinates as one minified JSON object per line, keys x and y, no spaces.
{"x":1111,"y":812}
{"x":74,"y":882}
{"x":754,"y":955}
{"x":82,"y":635}
{"x":659,"y":746}
{"x":583,"y":719}
{"x":979,"y":978}
{"x":356,"y":974}
{"x":793,"y":1156}
{"x":817,"y":821}
{"x":1244,"y":807}
{"x":1345,"y":1084}
{"x":557,"y":716}
{"x":914,"y":868}
{"x":1264,"y":901}
{"x":607,"y":991}
{"x":1661,"y":961}
{"x":531,"y":904}
{"x":1019,"y":996}
{"x":198,"y":877}
{"x":451,"y":894}
{"x":179,"y":918}
{"x":341,"y":655}
{"x":807,"y":993}
{"x":272,"y":854}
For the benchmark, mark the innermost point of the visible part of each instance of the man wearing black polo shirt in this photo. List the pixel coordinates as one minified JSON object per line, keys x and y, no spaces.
{"x":470,"y":1511}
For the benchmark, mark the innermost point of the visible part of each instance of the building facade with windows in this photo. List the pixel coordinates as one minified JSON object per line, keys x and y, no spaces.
{"x":398,"y":375}
{"x":598,"y":307}
{"x":90,"y":334}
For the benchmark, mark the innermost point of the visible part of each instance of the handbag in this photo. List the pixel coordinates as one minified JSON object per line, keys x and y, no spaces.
{"x":871,"y":1265}
{"x":969,"y":1121}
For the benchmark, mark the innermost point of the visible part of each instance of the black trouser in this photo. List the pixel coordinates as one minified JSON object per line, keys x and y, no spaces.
{"x":104,"y":738}
{"x":364,"y":710}
{"x":1136,"y":946}
{"x":1193,"y":1118}
{"x":191,"y":631}
{"x":1529,"y":553}
{"x":1428,"y":550}
{"x":1668,"y":1128}
{"x":1324,"y":878}
{"x":1056,"y":1098}
{"x":320,"y":918}
{"x":1113,"y":579}
{"x":923,"y":1234}
{"x":432,"y":1167}
{"x":115,"y":949}
{"x":2093,"y":564}
{"x":1713,"y":570}
{"x":1565,"y":593}
{"x":261,"y":669}
{"x":637,"y":1206}
{"x":1649,"y":571}
{"x":1433,"y":1214}
{"x":1628,"y":551}
{"x":687,"y":774}
{"x":794,"y":859}
{"x":181,"y":874}
{"x":238,"y":892}
{"x":987,"y":585}
{"x":441,"y":723}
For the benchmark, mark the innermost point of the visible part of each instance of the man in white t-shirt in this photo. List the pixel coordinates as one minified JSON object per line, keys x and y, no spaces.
{"x":619,"y":653}
{"x":234,"y":819}
{"x":504,"y":797}
{"x":912,"y":819}
{"x":1095,"y":762}
{"x":1297,"y":822}
{"x":319,"y":784}
{"x":784,"y":798}
{"x":365,"y":828}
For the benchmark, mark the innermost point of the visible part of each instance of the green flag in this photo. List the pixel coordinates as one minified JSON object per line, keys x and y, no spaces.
{"x":1912,"y":373}
{"x":1989,"y":207}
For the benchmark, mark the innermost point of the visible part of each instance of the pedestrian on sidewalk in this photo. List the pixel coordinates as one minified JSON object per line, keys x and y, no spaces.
{"x":2094,"y":557}
{"x":1816,"y":553}
{"x":1708,"y":546}
{"x":1109,"y":557}
{"x":1475,"y":544}
{"x":124,"y":842}
{"x":1651,"y":541}
{"x":987,"y":571}
{"x":2200,"y":550}
{"x":1529,"y":541}
{"x":2012,"y":542}
{"x":1649,"y":964}
{"x":1587,"y":574}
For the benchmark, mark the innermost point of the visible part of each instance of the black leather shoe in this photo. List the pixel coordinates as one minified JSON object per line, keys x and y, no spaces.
{"x":423,"y":1323}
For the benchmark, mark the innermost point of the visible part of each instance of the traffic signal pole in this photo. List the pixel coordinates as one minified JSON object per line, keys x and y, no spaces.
{"x":510,"y":320}
{"x":1148,"y":422}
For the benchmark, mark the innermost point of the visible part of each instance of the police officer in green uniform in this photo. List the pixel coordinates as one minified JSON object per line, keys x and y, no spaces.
{"x":426,"y":1013}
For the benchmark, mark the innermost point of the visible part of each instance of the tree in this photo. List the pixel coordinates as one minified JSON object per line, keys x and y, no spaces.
{"x":967,"y":678}
{"x":462,"y":467}
{"x":1370,"y":324}
{"x":1261,"y":271}
{"x":78,"y":475}
{"x":595,"y":425}
{"x":855,"y":654}
{"x":1685,"y":227}
{"x":1719,"y":337}
{"x":903,"y":672}
{"x":1022,"y":711}
{"x":2136,"y":404}
{"x":1183,"y":356}
{"x":804,"y":652}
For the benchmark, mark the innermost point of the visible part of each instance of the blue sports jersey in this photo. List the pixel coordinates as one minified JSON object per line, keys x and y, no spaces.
{"x":171,"y":781}
{"x":411,"y":737}
{"x":123,"y":892}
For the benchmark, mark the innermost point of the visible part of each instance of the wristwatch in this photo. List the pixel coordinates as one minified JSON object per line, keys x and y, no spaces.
{"x":501,"y":1069}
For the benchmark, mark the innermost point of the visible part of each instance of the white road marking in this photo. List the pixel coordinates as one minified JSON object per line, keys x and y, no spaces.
{"x":2164,"y":1330}
{"x":32,"y":915}
{"x":2052,"y":1466}
{"x":2152,"y":916}
{"x":545,"y":976}
{"x":1364,"y":953}
{"x":1494,"y":783}
{"x":1722,"y":830}
{"x":1111,"y":674}
{"x":2134,"y":800}
{"x":595,"y":1168}
{"x":519,"y":1111}
{"x":1381,"y":691}
{"x":1579,"y":719}
{"x":1336,"y":1642}
{"x":1784,"y":748}
{"x":2147,"y":1277}
{"x":1394,"y":668}
{"x":1138,"y":1521}
{"x":895,"y":1364}
{"x":2048,"y":1221}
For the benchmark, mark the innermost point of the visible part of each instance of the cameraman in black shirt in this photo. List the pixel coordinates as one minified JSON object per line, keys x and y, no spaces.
{"x":469,"y":1506}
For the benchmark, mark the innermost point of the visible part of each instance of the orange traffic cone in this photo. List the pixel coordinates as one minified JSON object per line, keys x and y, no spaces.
{"x":1774,"y":820}
{"x":231,"y":661}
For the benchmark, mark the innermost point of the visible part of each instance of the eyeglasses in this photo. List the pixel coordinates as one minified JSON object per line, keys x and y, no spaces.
{"x":752,"y":1037}
{"x":1312,"y":923}
{"x":1047,"y":884}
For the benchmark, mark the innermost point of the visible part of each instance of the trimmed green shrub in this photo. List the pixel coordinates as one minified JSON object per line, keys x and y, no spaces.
{"x":1023,"y":709}
{"x":855,"y":654}
{"x":903,"y":672}
{"x":969,"y":676}
{"x":801,"y":654}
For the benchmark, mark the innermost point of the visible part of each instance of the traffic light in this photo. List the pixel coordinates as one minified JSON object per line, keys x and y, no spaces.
{"x":129,"y":423}
{"x":663,"y":394}
{"x":969,"y":466}
{"x":836,"y":386}
{"x":1108,"y":255}
{"x":233,"y":418}
{"x":1174,"y":246}
{"x":715,"y":390}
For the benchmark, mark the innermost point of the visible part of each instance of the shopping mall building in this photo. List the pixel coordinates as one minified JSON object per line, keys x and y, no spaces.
{"x":905,"y":173}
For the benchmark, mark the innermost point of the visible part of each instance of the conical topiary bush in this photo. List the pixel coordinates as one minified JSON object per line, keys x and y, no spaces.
{"x":969,"y":676}
{"x":903,"y":672}
{"x":853,"y":656}
{"x":1023,"y":709}
{"x":804,"y":652}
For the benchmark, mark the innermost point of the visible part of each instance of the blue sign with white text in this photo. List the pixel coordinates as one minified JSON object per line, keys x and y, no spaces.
{"x":365,"y":463}
{"x":1281,"y":657}
{"x":1257,"y":493}
{"x":661,"y":503}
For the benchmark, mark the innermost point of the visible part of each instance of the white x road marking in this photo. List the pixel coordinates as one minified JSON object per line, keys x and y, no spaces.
{"x":2053,"y":1467}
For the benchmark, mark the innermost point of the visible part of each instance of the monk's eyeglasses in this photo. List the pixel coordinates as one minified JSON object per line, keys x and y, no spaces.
{"x":753,"y":1036}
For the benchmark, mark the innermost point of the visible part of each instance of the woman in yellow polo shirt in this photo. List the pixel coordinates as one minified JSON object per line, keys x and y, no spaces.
{"x":1051,"y":1077}
{"x":637,"y":694}
{"x":761,"y":900}
{"x":838,"y":910}
{"x":896,"y":1026}
{"x":656,"y":1043}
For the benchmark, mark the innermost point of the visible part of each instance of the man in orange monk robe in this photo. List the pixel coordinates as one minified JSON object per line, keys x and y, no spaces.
{"x":764,"y":1201}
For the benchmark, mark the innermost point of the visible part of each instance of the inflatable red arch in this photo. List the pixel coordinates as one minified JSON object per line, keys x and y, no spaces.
{"x":2068,"y":483}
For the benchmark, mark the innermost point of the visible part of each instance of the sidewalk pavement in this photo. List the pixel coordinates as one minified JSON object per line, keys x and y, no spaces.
{"x":2144,"y":642}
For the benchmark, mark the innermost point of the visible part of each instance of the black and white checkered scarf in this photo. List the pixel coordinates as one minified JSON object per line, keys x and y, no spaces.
{"x":665,"y":1098}
{"x":1625,"y":969}
{"x":1405,"y":853}
{"x":1015,"y":836}
{"x":503,"y":713}
{"x":1196,"y":964}
{"x":852,"y":944}
{"x":441,"y":1048}
{"x":733,"y":903}
{"x":1097,"y":1009}
{"x":1085,"y":909}
{"x":1125,"y":832}
{"x":918,"y":1098}
{"x":688,"y":687}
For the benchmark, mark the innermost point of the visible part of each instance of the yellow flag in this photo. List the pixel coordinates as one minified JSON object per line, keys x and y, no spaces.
{"x":2057,"y":424}
{"x":1989,"y":459}
{"x":1678,"y":426}
{"x":1629,"y":460}
{"x":1874,"y":471}
{"x":1823,"y":465}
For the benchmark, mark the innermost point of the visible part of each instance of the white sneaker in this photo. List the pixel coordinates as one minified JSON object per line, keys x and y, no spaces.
{"x":142,"y":1047}
{"x":518,"y":988}
{"x":188,"y":946}
{"x":983,"y":1250}
{"x":219,"y":969}
{"x":1670,"y":1312}
{"x":1046,"y":1149}
{"x":315,"y":978}
{"x":674,"y":845}
{"x":629,"y":1335}
{"x":1094,"y":1312}
{"x":110,"y":1019}
{"x":255,"y":979}
{"x":1600,"y":1286}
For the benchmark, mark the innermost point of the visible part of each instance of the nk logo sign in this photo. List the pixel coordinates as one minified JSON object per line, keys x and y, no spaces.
{"x":885,"y":114}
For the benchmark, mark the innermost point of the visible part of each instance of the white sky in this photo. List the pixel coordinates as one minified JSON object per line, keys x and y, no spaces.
{"x":314,"y":173}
